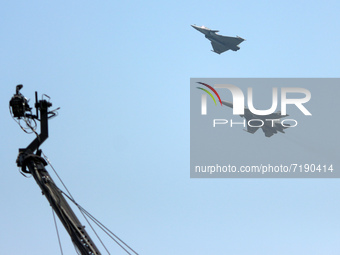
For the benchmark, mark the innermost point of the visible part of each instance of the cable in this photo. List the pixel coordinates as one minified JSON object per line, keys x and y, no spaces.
{"x":56,"y":227}
{"x":48,"y":161}
{"x":26,"y":121}
{"x":100,"y":240}
{"x":20,"y":171}
{"x":108,"y":232}
{"x":53,"y":195}
{"x":53,"y":113}
{"x":101,"y":226}
{"x":97,"y":222}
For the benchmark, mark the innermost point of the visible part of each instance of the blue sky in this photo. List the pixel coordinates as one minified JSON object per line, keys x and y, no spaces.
{"x":120,"y":71}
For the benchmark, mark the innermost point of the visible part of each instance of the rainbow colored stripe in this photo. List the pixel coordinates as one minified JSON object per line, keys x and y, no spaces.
{"x":213,"y":90}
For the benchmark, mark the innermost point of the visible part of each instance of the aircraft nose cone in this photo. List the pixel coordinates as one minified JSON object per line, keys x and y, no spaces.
{"x":199,"y":29}
{"x":194,"y":27}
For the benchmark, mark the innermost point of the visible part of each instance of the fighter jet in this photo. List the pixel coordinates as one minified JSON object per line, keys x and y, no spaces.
{"x":269,"y":127}
{"x":220,"y":43}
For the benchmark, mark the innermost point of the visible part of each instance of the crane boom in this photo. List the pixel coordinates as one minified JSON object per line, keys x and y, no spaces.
{"x":34,"y":164}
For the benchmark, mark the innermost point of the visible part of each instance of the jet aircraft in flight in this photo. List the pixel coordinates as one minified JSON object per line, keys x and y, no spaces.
{"x":220,"y":43}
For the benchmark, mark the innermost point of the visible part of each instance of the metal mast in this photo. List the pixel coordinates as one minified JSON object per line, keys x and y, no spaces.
{"x":30,"y":161}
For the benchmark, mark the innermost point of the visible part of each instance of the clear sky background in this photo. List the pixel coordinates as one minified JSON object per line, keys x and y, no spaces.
{"x":120,"y":71}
